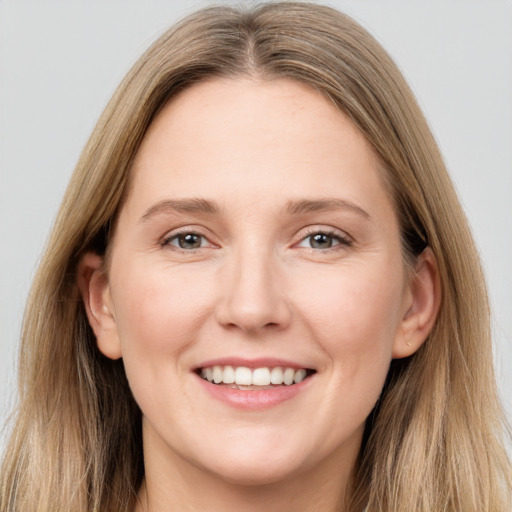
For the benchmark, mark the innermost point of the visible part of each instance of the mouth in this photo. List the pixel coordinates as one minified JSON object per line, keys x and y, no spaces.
{"x":253,"y":379}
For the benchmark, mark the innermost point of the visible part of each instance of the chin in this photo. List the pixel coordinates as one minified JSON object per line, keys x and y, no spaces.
{"x":256,"y":474}
{"x":258,"y":465}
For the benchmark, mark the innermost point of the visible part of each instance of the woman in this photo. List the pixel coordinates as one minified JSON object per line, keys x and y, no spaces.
{"x":260,"y":285}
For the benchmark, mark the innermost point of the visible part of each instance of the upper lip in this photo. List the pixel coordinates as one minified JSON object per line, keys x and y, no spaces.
{"x":260,"y":362}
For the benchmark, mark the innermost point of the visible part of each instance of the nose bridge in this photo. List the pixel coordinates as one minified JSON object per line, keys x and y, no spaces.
{"x":254,"y":295}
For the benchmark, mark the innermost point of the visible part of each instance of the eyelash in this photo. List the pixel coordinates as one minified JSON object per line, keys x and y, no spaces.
{"x":342,"y":240}
{"x":335,"y":236}
{"x":167,"y":241}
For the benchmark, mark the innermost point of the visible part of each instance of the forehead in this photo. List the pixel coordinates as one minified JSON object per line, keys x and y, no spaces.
{"x":252,"y":139}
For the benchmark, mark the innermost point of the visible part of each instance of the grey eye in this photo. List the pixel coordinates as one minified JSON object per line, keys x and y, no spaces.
{"x":322,"y":241}
{"x":188,"y":241}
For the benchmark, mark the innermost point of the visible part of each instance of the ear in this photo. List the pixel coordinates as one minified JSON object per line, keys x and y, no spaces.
{"x":421,"y":306}
{"x":95,"y":290}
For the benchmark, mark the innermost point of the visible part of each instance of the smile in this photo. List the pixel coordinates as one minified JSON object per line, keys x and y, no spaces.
{"x":254,"y":384}
{"x":241,"y":377}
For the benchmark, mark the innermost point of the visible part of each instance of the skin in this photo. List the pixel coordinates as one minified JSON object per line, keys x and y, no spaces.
{"x":256,"y":287}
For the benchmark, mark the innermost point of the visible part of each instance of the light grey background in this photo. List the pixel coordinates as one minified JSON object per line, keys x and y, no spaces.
{"x":61,"y":60}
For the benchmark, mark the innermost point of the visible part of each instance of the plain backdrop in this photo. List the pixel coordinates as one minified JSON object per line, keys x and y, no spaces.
{"x":60,"y":61}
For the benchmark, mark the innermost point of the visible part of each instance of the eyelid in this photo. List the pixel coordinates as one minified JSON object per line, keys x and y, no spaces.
{"x":342,"y":236}
{"x":170,"y":241}
{"x":185,"y":230}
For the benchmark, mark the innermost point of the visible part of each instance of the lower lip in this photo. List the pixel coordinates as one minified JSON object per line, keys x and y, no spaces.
{"x":254,"y":399}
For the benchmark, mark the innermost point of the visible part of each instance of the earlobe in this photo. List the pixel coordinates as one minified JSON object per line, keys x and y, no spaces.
{"x":424,"y":299}
{"x":95,"y":291}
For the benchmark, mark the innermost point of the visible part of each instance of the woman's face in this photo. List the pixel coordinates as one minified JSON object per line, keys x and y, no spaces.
{"x":257,"y":243}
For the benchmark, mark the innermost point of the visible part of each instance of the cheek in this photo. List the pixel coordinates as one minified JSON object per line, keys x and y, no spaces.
{"x":355,"y":314}
{"x":158,"y":313}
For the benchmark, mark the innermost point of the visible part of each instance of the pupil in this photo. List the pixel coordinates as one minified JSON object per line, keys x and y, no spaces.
{"x":189,"y":241}
{"x":321,"y":241}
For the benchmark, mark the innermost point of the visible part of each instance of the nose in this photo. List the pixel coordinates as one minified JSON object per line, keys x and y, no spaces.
{"x":253,"y":294}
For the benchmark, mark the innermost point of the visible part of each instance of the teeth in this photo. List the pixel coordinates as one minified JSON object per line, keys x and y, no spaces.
{"x":276,"y":376}
{"x":218,"y":374}
{"x":229,"y":375}
{"x":288,"y":376}
{"x":243,"y":376}
{"x":299,"y":376}
{"x":261,"y":377}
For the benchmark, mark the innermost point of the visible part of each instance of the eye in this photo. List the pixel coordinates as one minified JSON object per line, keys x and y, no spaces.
{"x":187,"y":241}
{"x":323,"y":240}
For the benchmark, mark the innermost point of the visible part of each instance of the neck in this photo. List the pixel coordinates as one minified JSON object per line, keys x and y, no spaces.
{"x":217,"y":496}
{"x":177,"y":485}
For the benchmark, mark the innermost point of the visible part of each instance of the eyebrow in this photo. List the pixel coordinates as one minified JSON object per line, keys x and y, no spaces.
{"x":315,"y":205}
{"x":193,"y":205}
{"x":205,"y":206}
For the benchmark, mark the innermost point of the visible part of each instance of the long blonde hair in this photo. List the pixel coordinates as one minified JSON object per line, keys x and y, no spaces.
{"x":434,"y":442}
